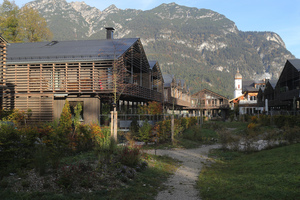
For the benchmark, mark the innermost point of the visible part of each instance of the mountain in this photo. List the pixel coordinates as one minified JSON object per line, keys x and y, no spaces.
{"x":200,"y":46}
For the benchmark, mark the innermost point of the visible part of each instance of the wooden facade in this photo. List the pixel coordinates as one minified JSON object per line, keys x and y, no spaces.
{"x":287,"y":90}
{"x":176,"y":93}
{"x":288,"y":84}
{"x":282,"y":94}
{"x":207,"y":100}
{"x":41,"y":76}
{"x":3,"y":53}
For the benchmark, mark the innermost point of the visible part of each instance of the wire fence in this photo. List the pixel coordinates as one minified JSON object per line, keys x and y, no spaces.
{"x":124,"y":120}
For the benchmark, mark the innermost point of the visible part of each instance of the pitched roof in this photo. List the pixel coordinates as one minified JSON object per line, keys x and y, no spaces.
{"x":273,"y":83}
{"x":57,"y":51}
{"x":2,"y":39}
{"x":295,"y":63}
{"x":168,"y":78}
{"x":209,"y":91}
{"x":152,"y":63}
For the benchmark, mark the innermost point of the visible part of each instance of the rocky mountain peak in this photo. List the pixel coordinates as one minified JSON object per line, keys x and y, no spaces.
{"x":87,"y":12}
{"x":111,"y":9}
{"x":205,"y":43}
{"x":271,"y":36}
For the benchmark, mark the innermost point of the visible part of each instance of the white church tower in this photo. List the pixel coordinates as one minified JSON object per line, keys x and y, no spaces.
{"x":238,"y":84}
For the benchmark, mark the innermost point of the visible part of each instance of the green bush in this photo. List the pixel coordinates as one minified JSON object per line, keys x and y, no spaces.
{"x":163,"y":130}
{"x":192,"y":121}
{"x":84,"y":141}
{"x":134,"y":129}
{"x":264,"y":120}
{"x":177,"y":127}
{"x":41,"y":159}
{"x":145,"y":133}
{"x":185,"y":122}
{"x":10,"y":146}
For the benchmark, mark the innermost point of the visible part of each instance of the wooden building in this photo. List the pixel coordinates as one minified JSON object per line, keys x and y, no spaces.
{"x":266,"y":96}
{"x":210,"y":103}
{"x":247,"y":100}
{"x":283,"y":94}
{"x":3,"y":44}
{"x":176,"y":93}
{"x":43,"y":75}
{"x":287,"y":89}
{"x":156,"y":77}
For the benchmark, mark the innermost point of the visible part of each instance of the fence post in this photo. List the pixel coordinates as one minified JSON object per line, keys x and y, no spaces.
{"x":111,"y":123}
{"x":172,"y":128}
{"x":116,"y":126}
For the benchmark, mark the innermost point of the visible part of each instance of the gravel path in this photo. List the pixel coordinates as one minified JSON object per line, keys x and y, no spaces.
{"x":181,"y":185}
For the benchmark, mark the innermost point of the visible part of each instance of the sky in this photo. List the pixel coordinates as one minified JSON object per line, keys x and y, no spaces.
{"x":279,"y":16}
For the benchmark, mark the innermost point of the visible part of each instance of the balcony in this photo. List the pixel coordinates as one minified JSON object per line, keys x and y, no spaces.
{"x":244,"y":102}
{"x":142,"y":92}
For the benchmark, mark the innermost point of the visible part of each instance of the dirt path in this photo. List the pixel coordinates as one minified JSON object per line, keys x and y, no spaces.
{"x":181,"y":185}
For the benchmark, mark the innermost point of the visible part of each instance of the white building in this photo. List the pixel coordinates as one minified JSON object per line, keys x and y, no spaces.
{"x":238,"y":84}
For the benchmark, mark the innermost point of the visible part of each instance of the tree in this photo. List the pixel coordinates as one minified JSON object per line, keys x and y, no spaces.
{"x":117,"y":77}
{"x":9,"y":21}
{"x":34,"y":27}
{"x":65,"y":120}
{"x":22,"y":25}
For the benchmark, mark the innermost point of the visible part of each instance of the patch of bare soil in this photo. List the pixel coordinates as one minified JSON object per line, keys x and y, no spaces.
{"x":182,"y":184}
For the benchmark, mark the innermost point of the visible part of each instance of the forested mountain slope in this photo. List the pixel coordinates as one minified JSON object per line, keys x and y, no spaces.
{"x":200,"y":46}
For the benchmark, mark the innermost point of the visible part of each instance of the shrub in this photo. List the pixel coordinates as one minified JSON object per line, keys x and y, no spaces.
{"x":134,"y":129}
{"x":252,"y":126}
{"x":254,"y":119}
{"x":292,"y":134}
{"x":29,"y":138}
{"x":100,"y":136}
{"x":10,"y":147}
{"x":105,"y":146}
{"x":192,"y":121}
{"x":184,"y":122}
{"x":41,"y":159}
{"x":84,"y":140}
{"x":145,"y":132}
{"x":279,"y":121}
{"x":65,"y":120}
{"x":163,"y":130}
{"x":264,"y":120}
{"x":152,"y":108}
{"x":130,"y":156}
{"x":228,"y":140}
{"x":177,"y":127}
{"x":18,"y":117}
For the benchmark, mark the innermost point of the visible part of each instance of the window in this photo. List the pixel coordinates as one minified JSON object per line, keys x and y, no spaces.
{"x":73,"y":104}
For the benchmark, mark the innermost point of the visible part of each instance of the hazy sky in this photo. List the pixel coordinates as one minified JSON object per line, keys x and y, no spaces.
{"x":279,"y":16}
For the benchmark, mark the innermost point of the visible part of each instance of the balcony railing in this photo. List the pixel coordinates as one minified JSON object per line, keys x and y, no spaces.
{"x":248,"y":102}
{"x":211,"y":106}
{"x":142,"y":92}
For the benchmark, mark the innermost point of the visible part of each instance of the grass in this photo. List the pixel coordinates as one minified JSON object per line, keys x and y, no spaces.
{"x":189,"y":139}
{"x":150,"y":182}
{"x":145,"y":185}
{"x":236,"y":126}
{"x":269,"y":174}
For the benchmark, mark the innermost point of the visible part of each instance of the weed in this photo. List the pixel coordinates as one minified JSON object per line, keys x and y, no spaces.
{"x":130,"y":156}
{"x":41,"y":159}
{"x":25,"y":184}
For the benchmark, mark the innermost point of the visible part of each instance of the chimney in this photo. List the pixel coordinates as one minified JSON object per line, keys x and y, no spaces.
{"x":109,"y":33}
